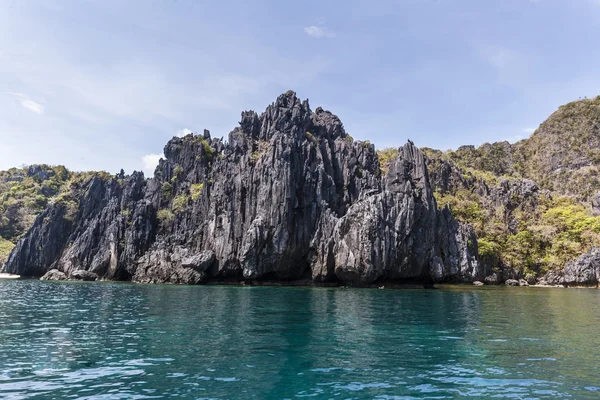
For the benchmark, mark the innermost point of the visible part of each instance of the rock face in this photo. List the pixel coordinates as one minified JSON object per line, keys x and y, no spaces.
{"x":289,"y":196}
{"x":584,"y":271}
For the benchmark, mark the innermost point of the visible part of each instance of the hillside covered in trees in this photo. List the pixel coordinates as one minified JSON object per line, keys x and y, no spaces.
{"x":534,"y":204}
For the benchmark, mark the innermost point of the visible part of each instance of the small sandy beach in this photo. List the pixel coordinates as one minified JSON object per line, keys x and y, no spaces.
{"x":8,"y":276}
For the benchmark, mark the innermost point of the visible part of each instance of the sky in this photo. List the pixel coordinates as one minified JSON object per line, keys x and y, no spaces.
{"x":103,"y":84}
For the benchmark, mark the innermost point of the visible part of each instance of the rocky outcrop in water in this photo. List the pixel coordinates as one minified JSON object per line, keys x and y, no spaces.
{"x":289,"y":196}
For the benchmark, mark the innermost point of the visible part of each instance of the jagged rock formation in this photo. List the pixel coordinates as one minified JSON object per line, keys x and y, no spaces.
{"x":583,"y":271}
{"x":290,"y":196}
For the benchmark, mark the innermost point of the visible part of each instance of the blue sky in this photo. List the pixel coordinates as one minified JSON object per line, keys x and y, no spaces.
{"x":104,"y":84}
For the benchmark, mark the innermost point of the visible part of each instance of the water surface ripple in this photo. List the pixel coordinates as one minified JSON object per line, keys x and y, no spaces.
{"x":119,"y":341}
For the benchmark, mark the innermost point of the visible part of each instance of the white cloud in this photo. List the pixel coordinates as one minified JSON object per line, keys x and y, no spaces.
{"x":183,"y":132}
{"x":27,"y":103}
{"x":150,"y":161}
{"x":529,"y":131}
{"x":318,"y":32}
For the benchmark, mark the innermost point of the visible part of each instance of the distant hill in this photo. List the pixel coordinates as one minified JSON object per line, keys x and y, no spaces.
{"x":562,"y":155}
{"x":533,"y":202}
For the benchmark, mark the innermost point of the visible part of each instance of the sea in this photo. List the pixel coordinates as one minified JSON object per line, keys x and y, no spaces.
{"x":77,"y":340}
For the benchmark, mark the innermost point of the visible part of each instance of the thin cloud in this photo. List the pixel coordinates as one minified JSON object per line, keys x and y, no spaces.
{"x":318,"y":32}
{"x":150,"y":161}
{"x":183,"y":132}
{"x":27,"y":103}
{"x":529,"y":131}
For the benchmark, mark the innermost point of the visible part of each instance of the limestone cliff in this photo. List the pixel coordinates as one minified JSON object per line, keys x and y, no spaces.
{"x":289,"y":196}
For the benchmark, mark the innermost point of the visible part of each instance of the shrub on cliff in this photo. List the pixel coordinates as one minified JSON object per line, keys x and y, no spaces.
{"x":5,"y":248}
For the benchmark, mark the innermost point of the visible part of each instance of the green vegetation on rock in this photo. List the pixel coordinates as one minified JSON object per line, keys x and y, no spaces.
{"x":385,"y":158}
{"x":180,"y":203}
{"x":165,"y":217}
{"x":5,"y":248}
{"x":25,"y":192}
{"x":526,"y":236}
{"x":196,"y":190}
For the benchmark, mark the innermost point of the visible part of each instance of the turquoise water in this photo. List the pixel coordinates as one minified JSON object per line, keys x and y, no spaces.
{"x":121,"y":341}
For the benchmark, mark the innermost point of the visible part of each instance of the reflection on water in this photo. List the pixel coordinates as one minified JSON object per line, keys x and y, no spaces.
{"x":119,"y":341}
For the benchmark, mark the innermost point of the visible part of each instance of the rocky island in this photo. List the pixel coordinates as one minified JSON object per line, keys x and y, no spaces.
{"x":291,"y":197}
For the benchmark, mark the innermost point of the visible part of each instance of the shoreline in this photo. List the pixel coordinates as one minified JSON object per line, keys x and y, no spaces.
{"x":9,"y":276}
{"x":390,"y":285}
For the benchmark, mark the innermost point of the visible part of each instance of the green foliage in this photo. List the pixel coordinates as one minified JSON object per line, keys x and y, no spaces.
{"x":71,"y":204}
{"x":312,"y":138}
{"x":571,"y":219}
{"x":208,"y":150}
{"x":549,"y":233}
{"x":575,"y":231}
{"x":25,"y":192}
{"x":177,"y":172}
{"x":180,"y":203}
{"x":165,"y":218}
{"x":6,"y":247}
{"x":489,"y":251}
{"x":167,"y":188}
{"x":262,"y":148}
{"x":196,"y":190}
{"x":465,"y":207}
{"x":386,"y":156}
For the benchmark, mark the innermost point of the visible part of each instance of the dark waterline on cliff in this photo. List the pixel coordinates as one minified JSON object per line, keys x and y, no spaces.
{"x":115,"y":341}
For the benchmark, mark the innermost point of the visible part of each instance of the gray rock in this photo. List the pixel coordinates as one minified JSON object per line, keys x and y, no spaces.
{"x":54,"y":275}
{"x":523,"y":282}
{"x":201,"y":262}
{"x":553,"y":278}
{"x":511,"y":282}
{"x":478,"y":283}
{"x":596,"y":204}
{"x":531,"y":280}
{"x":83,"y":275}
{"x":584,"y":271}
{"x":492,"y":279}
